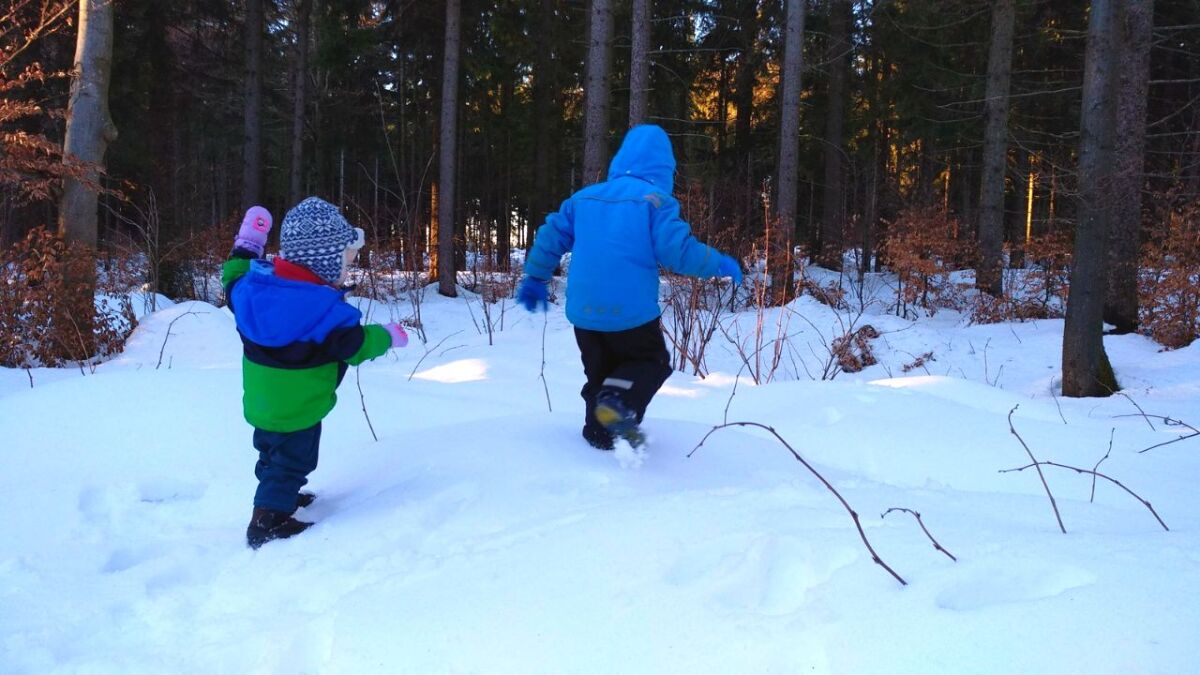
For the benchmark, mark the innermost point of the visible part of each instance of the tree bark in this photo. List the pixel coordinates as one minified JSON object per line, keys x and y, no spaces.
{"x":1134,"y":25}
{"x":252,"y":111}
{"x":783,"y":230}
{"x":89,"y":126}
{"x":989,"y":277}
{"x":299,"y":96}
{"x":1086,"y":370}
{"x":639,"y":63}
{"x":833,"y":213}
{"x":545,"y":121}
{"x":596,"y":92}
{"x":447,"y":279}
{"x":743,"y":103}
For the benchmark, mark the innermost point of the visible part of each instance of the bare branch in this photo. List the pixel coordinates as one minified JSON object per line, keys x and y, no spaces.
{"x":1053,"y":504}
{"x":1114,"y":481}
{"x":920,"y":522}
{"x":853,"y":515}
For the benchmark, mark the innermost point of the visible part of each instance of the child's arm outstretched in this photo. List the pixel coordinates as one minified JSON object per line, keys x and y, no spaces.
{"x":357,"y":344}
{"x":553,"y":240}
{"x":676,"y":249}
{"x":249,"y":244}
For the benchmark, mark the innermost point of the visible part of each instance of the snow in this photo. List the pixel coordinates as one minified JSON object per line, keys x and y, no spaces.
{"x":480,"y":533}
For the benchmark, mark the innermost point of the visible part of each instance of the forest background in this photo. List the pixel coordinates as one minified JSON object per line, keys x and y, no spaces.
{"x":915,"y":138}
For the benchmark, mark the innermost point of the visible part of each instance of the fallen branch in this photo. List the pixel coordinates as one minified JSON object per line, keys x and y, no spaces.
{"x":1170,"y":422}
{"x":1053,"y":504}
{"x":857,"y":524}
{"x":1112,"y":480}
{"x":920,"y":522}
{"x":1143,"y":412}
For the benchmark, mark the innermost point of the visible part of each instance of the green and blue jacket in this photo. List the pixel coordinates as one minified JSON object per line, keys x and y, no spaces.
{"x":299,"y":335}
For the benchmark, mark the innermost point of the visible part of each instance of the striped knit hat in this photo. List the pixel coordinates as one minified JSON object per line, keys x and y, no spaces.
{"x":315,"y":234}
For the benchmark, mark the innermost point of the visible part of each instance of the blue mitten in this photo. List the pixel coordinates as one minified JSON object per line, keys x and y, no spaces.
{"x":728,"y":267}
{"x":532,"y":293}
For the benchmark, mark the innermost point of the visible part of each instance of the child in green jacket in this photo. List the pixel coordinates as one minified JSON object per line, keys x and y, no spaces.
{"x":299,"y":336}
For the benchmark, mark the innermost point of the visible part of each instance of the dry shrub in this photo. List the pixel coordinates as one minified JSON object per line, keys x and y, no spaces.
{"x":191,"y":269}
{"x":922,"y":247}
{"x":48,"y":311}
{"x":830,"y":294}
{"x":919,"y":362}
{"x":1037,"y":292}
{"x":1169,"y":280}
{"x":853,"y":350}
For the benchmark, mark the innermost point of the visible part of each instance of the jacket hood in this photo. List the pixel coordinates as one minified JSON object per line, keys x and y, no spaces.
{"x":274,"y":312}
{"x":646,"y":153}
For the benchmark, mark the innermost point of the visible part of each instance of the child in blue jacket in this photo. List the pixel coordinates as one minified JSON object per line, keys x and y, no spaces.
{"x":619,"y":232}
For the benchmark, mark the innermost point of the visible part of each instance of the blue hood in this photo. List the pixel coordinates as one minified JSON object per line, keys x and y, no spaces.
{"x":275,"y":312}
{"x":646,"y":153}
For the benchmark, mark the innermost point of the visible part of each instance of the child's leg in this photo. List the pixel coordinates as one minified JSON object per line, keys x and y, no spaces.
{"x":642,"y":365}
{"x":284,"y":462}
{"x":598,"y":362}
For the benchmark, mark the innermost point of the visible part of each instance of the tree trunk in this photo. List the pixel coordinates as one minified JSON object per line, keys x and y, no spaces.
{"x":596,"y":92}
{"x":252,"y":112}
{"x":89,"y":126}
{"x":833,"y":212}
{"x":1133,"y":31}
{"x":1086,"y":370}
{"x":783,"y":230}
{"x":639,"y":63}
{"x":447,"y":279}
{"x":743,"y":103}
{"x":303,"y":17}
{"x":989,"y":277}
{"x":545,"y":119}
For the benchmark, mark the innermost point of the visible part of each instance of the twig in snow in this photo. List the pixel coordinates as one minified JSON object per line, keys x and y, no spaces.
{"x":166,"y":337}
{"x":1114,"y":481}
{"x":1059,"y":406}
{"x":857,"y":524}
{"x":30,"y":374}
{"x":363,"y":400}
{"x":427,"y":352}
{"x":542,"y":372}
{"x":920,"y":522}
{"x":736,"y":379}
{"x":1170,"y":422}
{"x":1112,"y":433}
{"x":1036,"y":464}
{"x":1143,"y":412}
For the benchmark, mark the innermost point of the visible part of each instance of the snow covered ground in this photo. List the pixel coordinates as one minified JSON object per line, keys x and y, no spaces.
{"x":480,"y":534}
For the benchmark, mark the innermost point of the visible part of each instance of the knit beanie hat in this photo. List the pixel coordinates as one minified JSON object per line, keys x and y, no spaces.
{"x":315,"y":234}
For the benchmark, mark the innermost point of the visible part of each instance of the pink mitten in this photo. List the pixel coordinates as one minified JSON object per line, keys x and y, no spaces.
{"x":253,"y":234}
{"x":399,"y":337}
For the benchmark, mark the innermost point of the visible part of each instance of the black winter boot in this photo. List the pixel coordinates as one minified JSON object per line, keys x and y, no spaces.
{"x":305,"y":499}
{"x":598,"y":437}
{"x":618,"y":418}
{"x":267,"y":525}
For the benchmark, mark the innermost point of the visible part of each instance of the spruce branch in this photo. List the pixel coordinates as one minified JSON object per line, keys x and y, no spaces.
{"x":853,"y":514}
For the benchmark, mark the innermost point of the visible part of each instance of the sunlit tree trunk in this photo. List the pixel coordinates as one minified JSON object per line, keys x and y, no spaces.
{"x":639,"y":63}
{"x":989,"y":278}
{"x":252,"y":110}
{"x":779,"y":255}
{"x":1086,"y":370}
{"x":89,"y":126}
{"x":1134,"y":25}
{"x":596,"y":92}
{"x":299,"y":95}
{"x":833,"y":208}
{"x":447,"y":279}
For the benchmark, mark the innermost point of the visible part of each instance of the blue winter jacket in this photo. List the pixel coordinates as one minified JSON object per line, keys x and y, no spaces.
{"x":618,"y":233}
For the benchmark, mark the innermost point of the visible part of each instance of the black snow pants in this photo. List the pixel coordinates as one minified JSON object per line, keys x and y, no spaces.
{"x":634,"y":363}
